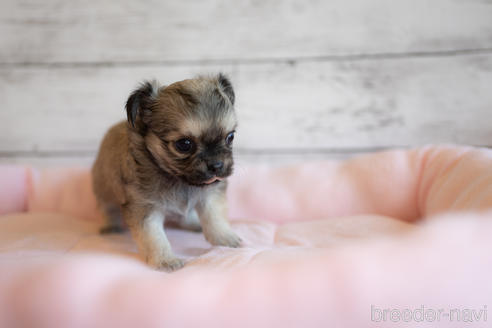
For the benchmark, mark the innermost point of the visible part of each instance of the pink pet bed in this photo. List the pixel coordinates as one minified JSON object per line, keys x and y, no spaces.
{"x":398,"y":237}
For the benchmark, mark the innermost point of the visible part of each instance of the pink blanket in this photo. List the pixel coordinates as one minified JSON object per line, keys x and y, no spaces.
{"x":400,"y":237}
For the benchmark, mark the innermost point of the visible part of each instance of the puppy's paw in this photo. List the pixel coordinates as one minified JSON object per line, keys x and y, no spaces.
{"x":225,"y":238}
{"x":173,"y":264}
{"x":168,"y":264}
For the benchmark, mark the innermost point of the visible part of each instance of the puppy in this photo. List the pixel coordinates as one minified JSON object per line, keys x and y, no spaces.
{"x":169,"y":161}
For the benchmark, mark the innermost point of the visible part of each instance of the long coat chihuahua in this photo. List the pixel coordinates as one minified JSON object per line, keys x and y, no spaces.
{"x":169,"y":162}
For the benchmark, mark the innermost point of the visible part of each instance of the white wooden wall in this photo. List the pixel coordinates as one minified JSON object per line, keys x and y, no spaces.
{"x":314,"y":79}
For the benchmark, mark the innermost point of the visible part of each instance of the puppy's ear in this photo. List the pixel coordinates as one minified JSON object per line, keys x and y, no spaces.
{"x":226,"y":87}
{"x":141,"y":101}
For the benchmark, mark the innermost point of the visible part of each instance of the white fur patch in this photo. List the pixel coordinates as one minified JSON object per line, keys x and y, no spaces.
{"x":212,"y":212}
{"x":155,"y":88}
{"x":153,"y":240}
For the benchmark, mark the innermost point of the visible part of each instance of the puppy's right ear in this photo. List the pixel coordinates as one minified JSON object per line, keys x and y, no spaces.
{"x":141,"y":101}
{"x":226,"y":87}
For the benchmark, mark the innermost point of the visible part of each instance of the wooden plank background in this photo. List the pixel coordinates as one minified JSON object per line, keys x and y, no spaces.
{"x":314,"y":79}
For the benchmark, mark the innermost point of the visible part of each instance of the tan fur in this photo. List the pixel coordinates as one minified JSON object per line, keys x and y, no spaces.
{"x":140,"y":176}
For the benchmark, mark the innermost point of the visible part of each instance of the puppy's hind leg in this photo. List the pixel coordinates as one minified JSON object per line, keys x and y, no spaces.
{"x":113,"y":218}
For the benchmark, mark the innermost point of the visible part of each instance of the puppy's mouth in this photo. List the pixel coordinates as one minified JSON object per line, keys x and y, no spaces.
{"x":208,"y":182}
{"x":212,"y":180}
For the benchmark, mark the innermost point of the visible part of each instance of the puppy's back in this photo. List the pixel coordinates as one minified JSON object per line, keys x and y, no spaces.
{"x":109,"y":168}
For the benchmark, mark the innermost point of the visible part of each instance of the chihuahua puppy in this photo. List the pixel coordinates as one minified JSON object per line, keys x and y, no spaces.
{"x":169,"y":162}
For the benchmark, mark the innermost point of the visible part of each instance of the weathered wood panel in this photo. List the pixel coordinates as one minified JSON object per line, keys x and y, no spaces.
{"x":46,"y":109}
{"x":369,"y":103}
{"x":88,"y":31}
{"x":313,"y":106}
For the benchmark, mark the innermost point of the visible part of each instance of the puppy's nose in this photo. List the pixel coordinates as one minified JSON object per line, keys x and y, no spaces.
{"x":215,"y":167}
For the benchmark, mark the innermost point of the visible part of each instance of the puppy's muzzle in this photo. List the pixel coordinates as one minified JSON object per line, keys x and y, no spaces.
{"x":215,"y":170}
{"x":215,"y":167}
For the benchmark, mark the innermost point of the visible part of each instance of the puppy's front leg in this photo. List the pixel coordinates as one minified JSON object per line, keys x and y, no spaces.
{"x":152,"y":240}
{"x":212,"y":211}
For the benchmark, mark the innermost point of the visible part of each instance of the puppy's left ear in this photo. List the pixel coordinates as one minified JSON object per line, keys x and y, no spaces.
{"x":226,"y":87}
{"x":139,"y":104}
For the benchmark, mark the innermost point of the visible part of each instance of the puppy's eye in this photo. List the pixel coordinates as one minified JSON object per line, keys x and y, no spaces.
{"x":229,"y":138}
{"x":184,"y":145}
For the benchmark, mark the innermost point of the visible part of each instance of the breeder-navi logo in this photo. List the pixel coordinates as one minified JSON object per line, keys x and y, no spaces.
{"x":423,"y":314}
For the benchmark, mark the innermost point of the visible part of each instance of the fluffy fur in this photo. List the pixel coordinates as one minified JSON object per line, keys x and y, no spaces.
{"x":169,"y":161}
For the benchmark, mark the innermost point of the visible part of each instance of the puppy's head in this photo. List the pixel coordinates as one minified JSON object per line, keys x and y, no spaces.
{"x":188,"y":127}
